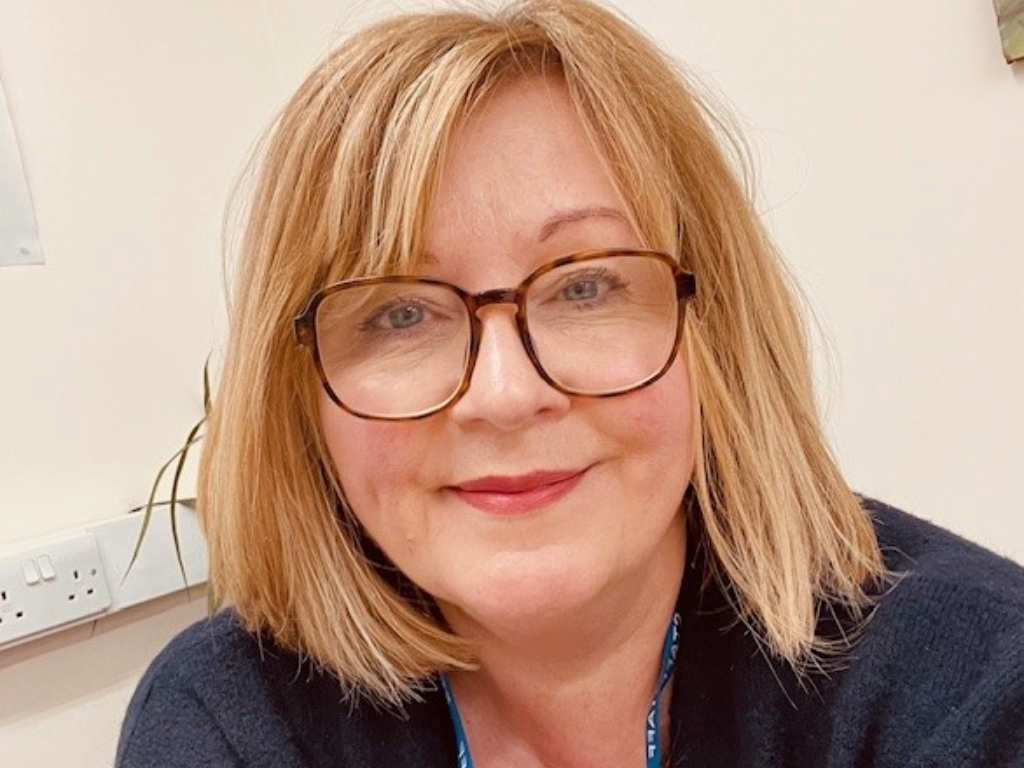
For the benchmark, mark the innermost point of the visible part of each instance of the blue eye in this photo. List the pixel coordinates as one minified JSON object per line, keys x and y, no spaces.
{"x":397,"y":315}
{"x":405,"y":317}
{"x":587,"y":289}
{"x":580,"y":290}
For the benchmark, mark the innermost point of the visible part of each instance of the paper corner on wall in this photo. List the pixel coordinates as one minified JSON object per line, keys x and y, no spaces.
{"x":1010,"y":14}
{"x":19,"y":238}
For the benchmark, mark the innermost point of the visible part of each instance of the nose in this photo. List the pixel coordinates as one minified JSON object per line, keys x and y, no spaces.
{"x":505,"y":389}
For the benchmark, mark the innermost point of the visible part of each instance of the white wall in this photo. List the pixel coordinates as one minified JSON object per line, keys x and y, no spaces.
{"x":892,"y":163}
{"x":892,"y":172}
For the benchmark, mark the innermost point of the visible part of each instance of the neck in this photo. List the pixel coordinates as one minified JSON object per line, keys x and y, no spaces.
{"x":574,"y":693}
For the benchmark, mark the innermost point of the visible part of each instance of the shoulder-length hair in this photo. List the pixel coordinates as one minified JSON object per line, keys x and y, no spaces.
{"x":343,"y":188}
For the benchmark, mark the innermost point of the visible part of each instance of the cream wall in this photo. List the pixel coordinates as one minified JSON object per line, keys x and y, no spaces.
{"x":887,"y":138}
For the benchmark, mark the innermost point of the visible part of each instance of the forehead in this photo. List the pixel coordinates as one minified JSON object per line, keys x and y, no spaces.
{"x":522,"y":180}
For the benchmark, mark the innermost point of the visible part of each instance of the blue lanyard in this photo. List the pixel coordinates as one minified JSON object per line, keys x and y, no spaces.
{"x":669,"y":651}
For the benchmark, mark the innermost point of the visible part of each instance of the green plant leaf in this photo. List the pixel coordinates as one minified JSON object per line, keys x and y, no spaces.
{"x":193,"y":437}
{"x":152,"y":503}
{"x":177,"y":460}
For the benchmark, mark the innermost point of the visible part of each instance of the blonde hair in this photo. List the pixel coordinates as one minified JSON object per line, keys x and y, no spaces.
{"x":345,"y":182}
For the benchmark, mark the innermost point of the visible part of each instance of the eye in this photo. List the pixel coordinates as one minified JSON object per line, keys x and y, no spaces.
{"x":580,"y":290}
{"x":397,"y":315}
{"x":589,"y":288}
{"x":404,"y":317}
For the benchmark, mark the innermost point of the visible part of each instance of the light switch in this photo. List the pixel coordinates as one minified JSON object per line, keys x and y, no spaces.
{"x":31,"y":573}
{"x":37,"y":583}
{"x":46,"y":568}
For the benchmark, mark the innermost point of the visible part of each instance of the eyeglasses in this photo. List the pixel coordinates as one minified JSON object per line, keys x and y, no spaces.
{"x":594,"y":324}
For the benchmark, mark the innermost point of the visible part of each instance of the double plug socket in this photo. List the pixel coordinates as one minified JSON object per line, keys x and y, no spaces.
{"x":49,"y":586}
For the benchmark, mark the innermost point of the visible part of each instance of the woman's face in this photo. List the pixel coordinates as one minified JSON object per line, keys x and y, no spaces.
{"x":520,"y":503}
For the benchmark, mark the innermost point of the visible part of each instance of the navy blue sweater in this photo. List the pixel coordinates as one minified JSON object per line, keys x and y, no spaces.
{"x":936,"y":679}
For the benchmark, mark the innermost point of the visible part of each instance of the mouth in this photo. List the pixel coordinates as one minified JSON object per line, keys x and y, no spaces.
{"x":506,"y":496}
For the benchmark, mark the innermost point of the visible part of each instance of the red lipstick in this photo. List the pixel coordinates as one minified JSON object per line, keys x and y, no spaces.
{"x":517,"y":495}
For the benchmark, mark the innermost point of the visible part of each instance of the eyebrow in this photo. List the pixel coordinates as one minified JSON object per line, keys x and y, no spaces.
{"x":559,"y":220}
{"x":562,"y":218}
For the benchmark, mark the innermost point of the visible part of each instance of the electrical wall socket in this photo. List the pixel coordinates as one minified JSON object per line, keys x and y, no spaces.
{"x":50,"y":585}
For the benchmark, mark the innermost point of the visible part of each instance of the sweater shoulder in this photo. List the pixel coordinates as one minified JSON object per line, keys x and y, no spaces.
{"x":206,"y":662}
{"x":189,"y":704}
{"x":925,"y":557}
{"x":939,"y":668}
{"x":218,"y":640}
{"x":221,"y":695}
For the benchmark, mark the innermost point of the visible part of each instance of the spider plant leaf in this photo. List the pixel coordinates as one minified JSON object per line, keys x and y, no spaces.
{"x":207,"y":397}
{"x":213,"y":601}
{"x":147,"y":510}
{"x":193,"y":437}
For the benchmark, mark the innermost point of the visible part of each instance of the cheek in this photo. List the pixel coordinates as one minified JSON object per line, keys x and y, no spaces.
{"x":662,"y":416}
{"x":657,"y":432}
{"x":377,"y":462}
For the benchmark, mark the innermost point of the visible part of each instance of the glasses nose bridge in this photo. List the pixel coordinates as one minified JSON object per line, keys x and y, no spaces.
{"x":477,"y":301}
{"x":496,"y":296}
{"x":493,"y":297}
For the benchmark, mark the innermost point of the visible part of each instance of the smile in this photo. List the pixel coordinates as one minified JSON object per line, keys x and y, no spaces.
{"x":509,"y":496}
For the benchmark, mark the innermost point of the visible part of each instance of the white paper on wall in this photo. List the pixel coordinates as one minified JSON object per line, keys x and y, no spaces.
{"x":19,"y":240}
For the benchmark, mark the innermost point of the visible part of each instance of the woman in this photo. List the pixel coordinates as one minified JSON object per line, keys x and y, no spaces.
{"x":515,"y":460}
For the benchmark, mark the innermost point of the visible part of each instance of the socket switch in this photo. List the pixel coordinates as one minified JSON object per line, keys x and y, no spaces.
{"x":51,"y":585}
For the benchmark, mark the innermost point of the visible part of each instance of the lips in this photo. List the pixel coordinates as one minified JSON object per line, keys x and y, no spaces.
{"x":516,"y":495}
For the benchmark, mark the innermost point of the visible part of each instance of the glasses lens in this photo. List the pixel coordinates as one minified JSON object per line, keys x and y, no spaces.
{"x":604,"y":325}
{"x":400,"y":347}
{"x":393,"y":349}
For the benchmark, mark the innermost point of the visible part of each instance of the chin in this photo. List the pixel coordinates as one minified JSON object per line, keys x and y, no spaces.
{"x":526,"y":592}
